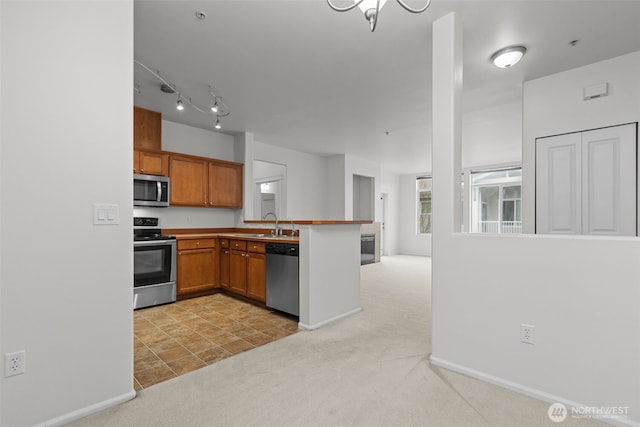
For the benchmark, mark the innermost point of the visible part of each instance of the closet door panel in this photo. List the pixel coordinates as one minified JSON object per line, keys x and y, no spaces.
{"x":609,"y":181}
{"x":558,"y":185}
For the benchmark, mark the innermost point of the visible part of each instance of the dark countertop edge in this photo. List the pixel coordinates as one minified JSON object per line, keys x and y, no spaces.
{"x":284,"y":222}
{"x":227,"y":233}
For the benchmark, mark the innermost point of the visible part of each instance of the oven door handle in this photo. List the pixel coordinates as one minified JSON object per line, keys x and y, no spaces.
{"x":154,"y":243}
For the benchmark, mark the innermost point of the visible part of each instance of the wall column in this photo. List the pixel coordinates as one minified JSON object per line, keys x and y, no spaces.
{"x":446,"y":146}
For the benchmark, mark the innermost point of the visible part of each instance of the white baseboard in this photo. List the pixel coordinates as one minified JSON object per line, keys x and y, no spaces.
{"x":527,"y":391}
{"x":86,"y":411}
{"x":325,"y":322}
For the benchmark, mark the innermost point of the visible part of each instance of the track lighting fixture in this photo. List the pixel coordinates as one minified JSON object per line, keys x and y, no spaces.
{"x":371,"y":9}
{"x":219,"y":109}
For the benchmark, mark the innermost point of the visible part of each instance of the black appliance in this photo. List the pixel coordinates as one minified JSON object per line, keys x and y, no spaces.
{"x":367,"y":249}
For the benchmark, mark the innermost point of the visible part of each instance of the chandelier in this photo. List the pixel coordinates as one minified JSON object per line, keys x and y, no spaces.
{"x":371,"y":8}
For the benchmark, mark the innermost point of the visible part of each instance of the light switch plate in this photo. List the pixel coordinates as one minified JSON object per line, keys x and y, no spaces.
{"x":106,"y":214}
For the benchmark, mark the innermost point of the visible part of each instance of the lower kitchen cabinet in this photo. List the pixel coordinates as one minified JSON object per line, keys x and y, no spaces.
{"x":256,"y":276}
{"x":247,"y":269}
{"x":238,"y":272}
{"x":197,"y":262}
{"x":224,"y":267}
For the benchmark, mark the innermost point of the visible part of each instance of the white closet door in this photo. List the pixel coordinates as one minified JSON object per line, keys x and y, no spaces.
{"x":609,"y":181}
{"x":558,"y":184}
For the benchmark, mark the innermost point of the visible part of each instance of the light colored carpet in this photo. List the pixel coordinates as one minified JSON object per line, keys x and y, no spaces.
{"x":369,"y":370}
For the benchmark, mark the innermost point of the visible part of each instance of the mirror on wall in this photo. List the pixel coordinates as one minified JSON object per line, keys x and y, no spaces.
{"x":269,"y":189}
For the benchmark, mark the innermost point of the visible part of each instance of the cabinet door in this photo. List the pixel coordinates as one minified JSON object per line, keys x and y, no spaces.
{"x":196,"y":270}
{"x":559,"y":185}
{"x":188,"y":181}
{"x":238,"y":272}
{"x":225,"y":256}
{"x":586,"y":182}
{"x":147,"y":129}
{"x":152,"y":163}
{"x":609,"y":181}
{"x":225,"y":185}
{"x":256,"y":276}
{"x":136,"y":161}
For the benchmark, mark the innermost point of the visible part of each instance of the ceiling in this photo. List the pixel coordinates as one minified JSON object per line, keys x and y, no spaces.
{"x":299,"y":75}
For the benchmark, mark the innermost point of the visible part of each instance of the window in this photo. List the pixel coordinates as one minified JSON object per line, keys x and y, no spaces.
{"x":496,"y":201}
{"x":423,"y":191}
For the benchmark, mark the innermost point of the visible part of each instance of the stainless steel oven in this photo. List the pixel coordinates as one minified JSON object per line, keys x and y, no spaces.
{"x":154,"y":271}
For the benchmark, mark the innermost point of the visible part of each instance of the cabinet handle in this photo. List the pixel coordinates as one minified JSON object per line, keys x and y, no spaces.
{"x":247,"y":255}
{"x":226,"y":252}
{"x":142,"y":170}
{"x":197,"y":243}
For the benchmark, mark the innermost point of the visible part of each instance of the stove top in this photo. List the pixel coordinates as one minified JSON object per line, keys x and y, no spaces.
{"x":150,"y":234}
{"x":145,"y":228}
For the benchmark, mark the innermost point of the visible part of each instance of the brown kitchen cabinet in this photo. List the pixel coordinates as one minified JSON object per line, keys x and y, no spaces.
{"x":256,"y":271}
{"x":225,"y":185}
{"x":248,"y":269}
{"x":224,"y":267}
{"x":147,"y":129}
{"x":197,"y":260}
{"x":202,"y":182}
{"x":150,"y":162}
{"x":188,"y":177}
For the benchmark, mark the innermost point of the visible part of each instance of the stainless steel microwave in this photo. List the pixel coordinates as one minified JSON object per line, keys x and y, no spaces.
{"x":150,"y":190}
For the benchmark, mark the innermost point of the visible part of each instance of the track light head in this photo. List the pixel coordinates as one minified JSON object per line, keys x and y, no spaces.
{"x":179,"y":105}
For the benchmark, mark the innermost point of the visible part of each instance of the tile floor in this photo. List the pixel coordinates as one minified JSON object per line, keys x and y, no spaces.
{"x":171,"y":340}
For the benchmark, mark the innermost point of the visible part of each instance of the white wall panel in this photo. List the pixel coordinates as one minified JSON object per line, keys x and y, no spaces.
{"x":66,"y":284}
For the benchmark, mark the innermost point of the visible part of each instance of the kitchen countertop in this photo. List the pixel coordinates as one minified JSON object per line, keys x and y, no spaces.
{"x":266,"y":237}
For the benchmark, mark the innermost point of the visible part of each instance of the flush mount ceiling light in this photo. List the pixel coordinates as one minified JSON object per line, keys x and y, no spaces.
{"x":508,"y":56}
{"x":219,"y":108}
{"x":371,"y":9}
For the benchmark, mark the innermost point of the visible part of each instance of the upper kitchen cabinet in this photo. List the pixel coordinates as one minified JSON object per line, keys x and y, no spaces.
{"x":204,"y":182}
{"x":225,"y":185}
{"x":188,"y":177}
{"x":150,"y":162}
{"x":147,"y":129}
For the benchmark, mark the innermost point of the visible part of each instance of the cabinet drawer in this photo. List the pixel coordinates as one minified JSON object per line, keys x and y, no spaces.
{"x":224,"y":243}
{"x":196,"y":244}
{"x":257,"y":247}
{"x":240,"y":245}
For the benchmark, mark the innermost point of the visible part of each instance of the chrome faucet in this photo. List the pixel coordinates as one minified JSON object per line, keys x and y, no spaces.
{"x":293,"y":227}
{"x":276,"y":231}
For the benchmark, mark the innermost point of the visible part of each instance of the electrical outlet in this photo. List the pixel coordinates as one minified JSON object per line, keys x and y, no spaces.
{"x":14,"y":363}
{"x":527,"y":334}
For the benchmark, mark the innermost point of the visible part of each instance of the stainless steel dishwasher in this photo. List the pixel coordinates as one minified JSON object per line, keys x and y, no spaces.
{"x":283,"y":288}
